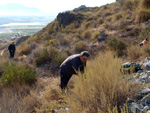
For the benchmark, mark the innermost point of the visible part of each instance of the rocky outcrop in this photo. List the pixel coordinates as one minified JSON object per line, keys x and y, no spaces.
{"x":81,"y":8}
{"x":66,"y":18}
{"x":22,"y":39}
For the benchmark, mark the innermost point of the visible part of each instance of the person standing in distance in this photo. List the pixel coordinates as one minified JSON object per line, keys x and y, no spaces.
{"x":12,"y":49}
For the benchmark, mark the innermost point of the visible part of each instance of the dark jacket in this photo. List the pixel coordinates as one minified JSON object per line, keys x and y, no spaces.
{"x":71,"y":65}
{"x":12,"y":48}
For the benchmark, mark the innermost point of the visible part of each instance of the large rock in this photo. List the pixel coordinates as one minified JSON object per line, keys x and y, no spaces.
{"x":81,"y":8}
{"x":66,"y":18}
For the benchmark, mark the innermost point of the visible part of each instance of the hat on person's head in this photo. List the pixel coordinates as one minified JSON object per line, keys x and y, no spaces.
{"x":85,"y":53}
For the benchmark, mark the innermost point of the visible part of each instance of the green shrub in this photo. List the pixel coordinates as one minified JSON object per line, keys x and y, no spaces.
{"x":59,"y":58}
{"x":100,"y":21}
{"x":77,"y":35}
{"x":52,"y":41}
{"x":50,"y":54}
{"x":128,"y":5}
{"x":87,"y":34}
{"x":51,"y":30}
{"x":144,"y":33}
{"x":64,"y":41}
{"x":87,"y":24}
{"x":117,"y":46}
{"x":109,"y":19}
{"x":16,"y":73}
{"x":107,"y":13}
{"x":96,"y":35}
{"x":24,"y":49}
{"x":80,"y":46}
{"x":118,"y":16}
{"x":47,"y":54}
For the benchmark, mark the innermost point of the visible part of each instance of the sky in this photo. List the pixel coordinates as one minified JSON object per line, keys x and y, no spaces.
{"x":53,"y":7}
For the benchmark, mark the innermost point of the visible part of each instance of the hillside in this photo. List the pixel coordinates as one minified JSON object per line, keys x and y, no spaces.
{"x":73,"y":32}
{"x":103,"y":88}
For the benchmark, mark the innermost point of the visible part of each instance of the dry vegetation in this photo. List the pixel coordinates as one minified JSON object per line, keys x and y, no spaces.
{"x":102,"y":88}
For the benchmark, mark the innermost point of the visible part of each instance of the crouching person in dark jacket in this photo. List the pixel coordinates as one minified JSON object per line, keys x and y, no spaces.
{"x":12,"y":49}
{"x":72,"y":65}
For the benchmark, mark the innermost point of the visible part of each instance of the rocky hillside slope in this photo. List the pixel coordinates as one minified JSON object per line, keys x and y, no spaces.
{"x":73,"y":32}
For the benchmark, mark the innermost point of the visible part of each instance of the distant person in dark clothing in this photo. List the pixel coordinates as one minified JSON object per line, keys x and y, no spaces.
{"x":12,"y":49}
{"x":71,"y":66}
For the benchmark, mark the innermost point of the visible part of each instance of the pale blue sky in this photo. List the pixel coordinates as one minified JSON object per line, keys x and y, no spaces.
{"x":53,"y":7}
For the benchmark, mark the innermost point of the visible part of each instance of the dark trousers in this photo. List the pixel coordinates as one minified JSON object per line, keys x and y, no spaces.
{"x":11,"y":54}
{"x":64,"y":80}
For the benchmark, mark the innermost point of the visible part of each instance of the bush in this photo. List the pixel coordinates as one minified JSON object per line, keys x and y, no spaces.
{"x":77,"y":35}
{"x":96,"y":35}
{"x":50,"y":54}
{"x":134,"y":52}
{"x":143,"y":14}
{"x":107,"y":13}
{"x":59,"y":58}
{"x":118,"y":17}
{"x":25,"y":48}
{"x":16,"y":73}
{"x":146,"y":50}
{"x":144,"y":33}
{"x":128,"y":5}
{"x":52,"y":41}
{"x":46,"y":55}
{"x":117,"y":46}
{"x":145,"y":4}
{"x":101,"y":86}
{"x":51,"y":30}
{"x":80,"y":46}
{"x":87,"y":34}
{"x":87,"y":24}
{"x":100,"y":21}
{"x":109,"y":19}
{"x":64,"y":40}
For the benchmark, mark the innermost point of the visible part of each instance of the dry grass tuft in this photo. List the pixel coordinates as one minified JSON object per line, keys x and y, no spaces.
{"x":101,"y":87}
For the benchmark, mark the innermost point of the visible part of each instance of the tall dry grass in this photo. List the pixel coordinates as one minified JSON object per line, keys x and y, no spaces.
{"x":101,"y":86}
{"x":143,"y":11}
{"x":136,"y":52}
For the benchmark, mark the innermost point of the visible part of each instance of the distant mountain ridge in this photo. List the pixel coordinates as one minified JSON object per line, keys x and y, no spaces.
{"x":17,"y":8}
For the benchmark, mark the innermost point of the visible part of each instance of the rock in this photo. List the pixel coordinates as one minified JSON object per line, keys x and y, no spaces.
{"x":81,"y":8}
{"x":129,"y":101}
{"x":145,"y":91}
{"x":53,"y":111}
{"x":146,"y":108}
{"x":139,"y":97}
{"x":146,"y":60}
{"x":135,"y":108}
{"x":66,"y":18}
{"x":146,"y":99}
